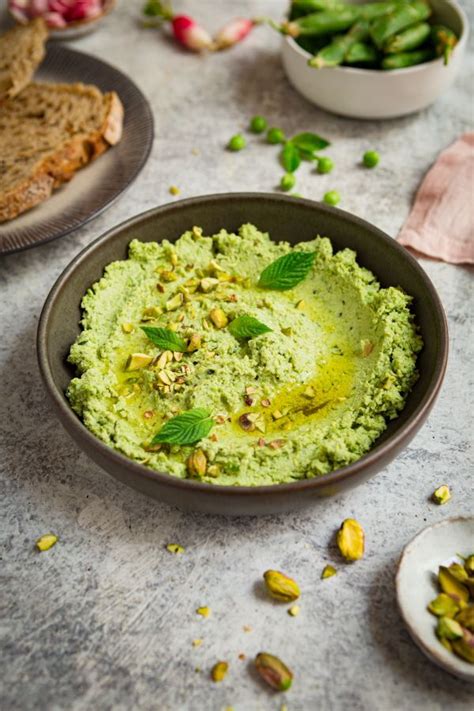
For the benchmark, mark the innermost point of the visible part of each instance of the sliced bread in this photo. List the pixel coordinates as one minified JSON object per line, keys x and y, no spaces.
{"x":47,"y":133}
{"x":21,"y":51}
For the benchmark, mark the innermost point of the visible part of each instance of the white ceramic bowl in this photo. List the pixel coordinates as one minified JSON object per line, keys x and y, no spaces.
{"x":374,"y":93}
{"x":416,"y":586}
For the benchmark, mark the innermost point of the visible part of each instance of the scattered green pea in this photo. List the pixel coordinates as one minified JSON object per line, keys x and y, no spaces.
{"x":332,"y":197}
{"x":287,"y":182}
{"x":275,"y":135}
{"x":258,"y":124}
{"x":325,"y":165}
{"x":370,"y":159}
{"x":237,"y":142}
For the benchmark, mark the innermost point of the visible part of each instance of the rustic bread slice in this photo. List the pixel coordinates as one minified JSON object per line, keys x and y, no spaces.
{"x":21,"y":51}
{"x":47,"y":133}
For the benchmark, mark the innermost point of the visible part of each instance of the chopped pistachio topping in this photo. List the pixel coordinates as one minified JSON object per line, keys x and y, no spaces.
{"x":328,"y":572}
{"x":127,"y":327}
{"x":219,"y":671}
{"x":294,"y":610}
{"x":175,"y":548}
{"x":441,"y":495}
{"x":137,"y":361}
{"x":204,"y":611}
{"x":46,"y":542}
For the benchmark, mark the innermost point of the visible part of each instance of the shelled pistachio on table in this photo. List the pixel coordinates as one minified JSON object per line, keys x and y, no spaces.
{"x":391,"y":34}
{"x":454,"y":608}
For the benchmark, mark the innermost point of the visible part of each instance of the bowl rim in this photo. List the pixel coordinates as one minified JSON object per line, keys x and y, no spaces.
{"x":121,"y":460}
{"x":405,"y":71}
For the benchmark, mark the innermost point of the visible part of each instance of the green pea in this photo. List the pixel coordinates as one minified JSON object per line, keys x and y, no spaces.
{"x":332,"y":197}
{"x":237,"y":142}
{"x":325,"y":165}
{"x":275,"y":135}
{"x":287,"y":182}
{"x":370,"y":159}
{"x":258,"y":124}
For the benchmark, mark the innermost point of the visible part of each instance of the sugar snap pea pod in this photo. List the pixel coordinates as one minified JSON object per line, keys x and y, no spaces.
{"x":334,"y":53}
{"x":407,"y":59}
{"x":411,"y":38}
{"x":444,"y":41}
{"x":372,"y":10}
{"x":322,"y":23}
{"x":299,"y":8}
{"x":405,"y":15}
{"x":361,"y":53}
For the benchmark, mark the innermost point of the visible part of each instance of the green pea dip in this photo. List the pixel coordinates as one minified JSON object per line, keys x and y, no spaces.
{"x":306,"y":398}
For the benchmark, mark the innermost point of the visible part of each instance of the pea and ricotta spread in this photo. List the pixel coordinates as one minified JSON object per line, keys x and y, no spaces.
{"x":193,"y":362}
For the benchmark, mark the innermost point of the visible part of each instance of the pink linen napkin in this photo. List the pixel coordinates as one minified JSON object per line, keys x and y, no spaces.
{"x":441,"y":223}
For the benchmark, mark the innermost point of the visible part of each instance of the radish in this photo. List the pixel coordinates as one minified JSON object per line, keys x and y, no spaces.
{"x":232,"y":33}
{"x":188,"y":33}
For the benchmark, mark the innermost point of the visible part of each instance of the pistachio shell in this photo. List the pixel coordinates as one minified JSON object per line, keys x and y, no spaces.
{"x":350,"y":539}
{"x":451,"y":586}
{"x":280,"y":586}
{"x":443,"y":606}
{"x":273,"y":671}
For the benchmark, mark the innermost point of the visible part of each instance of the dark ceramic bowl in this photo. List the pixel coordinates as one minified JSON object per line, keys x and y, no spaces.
{"x":285,"y":218}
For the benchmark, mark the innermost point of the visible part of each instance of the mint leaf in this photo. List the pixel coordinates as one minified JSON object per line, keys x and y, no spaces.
{"x":247,"y":327}
{"x":290,"y":157}
{"x":187,"y":428}
{"x":165,"y":339}
{"x":309,"y":142}
{"x":287,"y":271}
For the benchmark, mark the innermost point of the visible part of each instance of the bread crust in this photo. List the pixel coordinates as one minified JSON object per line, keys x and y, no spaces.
{"x":60,"y":166}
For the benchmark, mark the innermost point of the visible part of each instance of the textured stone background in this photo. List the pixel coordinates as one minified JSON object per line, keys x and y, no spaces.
{"x":105,"y":620}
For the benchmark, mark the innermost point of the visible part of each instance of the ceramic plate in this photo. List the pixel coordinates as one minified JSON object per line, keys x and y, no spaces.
{"x":97,"y":185}
{"x":416,"y":586}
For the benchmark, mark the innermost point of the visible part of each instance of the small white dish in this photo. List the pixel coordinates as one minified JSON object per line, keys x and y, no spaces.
{"x":416,"y":586}
{"x":375,"y":93}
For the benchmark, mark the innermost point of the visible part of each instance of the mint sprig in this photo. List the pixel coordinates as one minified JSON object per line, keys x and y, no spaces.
{"x":246,"y":327}
{"x":287,"y":271}
{"x":165,"y":339}
{"x":187,"y":428}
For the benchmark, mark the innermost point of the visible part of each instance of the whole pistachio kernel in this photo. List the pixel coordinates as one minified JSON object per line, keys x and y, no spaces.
{"x":458,"y":571}
{"x":280,"y":586}
{"x":175,"y":548}
{"x":451,"y":586}
{"x":218,"y":318}
{"x":273,"y":671}
{"x":469,"y":564}
{"x":196,"y":463}
{"x":448,"y":629}
{"x":466,"y":618}
{"x":194,"y":342}
{"x":464,"y":647}
{"x":441,"y":495}
{"x":443,"y":606}
{"x":44,"y":543}
{"x":351,"y":539}
{"x":136,"y":361}
{"x":219,"y":671}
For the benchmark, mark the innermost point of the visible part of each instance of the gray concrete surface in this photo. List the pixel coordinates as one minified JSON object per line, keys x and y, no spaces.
{"x":106,"y":619}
